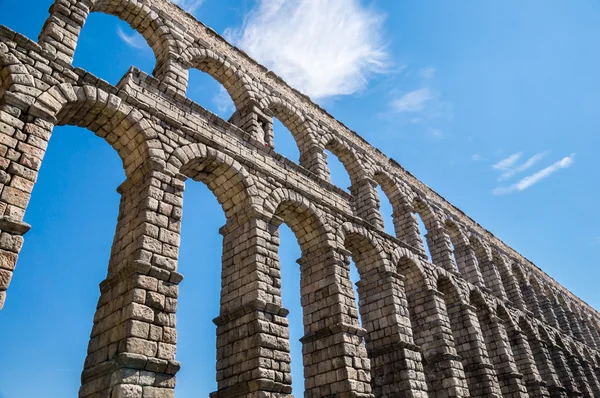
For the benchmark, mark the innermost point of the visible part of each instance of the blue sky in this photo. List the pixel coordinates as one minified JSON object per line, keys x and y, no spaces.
{"x":492,"y":104}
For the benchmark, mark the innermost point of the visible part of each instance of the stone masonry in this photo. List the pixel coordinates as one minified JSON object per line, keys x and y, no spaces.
{"x":478,"y":319}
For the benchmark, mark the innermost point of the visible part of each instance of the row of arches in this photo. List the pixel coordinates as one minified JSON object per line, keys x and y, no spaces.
{"x":400,"y":295}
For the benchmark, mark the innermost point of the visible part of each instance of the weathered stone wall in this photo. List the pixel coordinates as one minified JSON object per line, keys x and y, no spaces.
{"x":477,"y":320}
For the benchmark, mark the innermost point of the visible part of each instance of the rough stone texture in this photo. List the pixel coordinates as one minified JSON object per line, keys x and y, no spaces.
{"x":478,"y":320}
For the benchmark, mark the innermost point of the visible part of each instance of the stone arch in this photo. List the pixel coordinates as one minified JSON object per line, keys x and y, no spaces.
{"x":509,"y":283}
{"x":230,"y":76}
{"x":547,"y":313}
{"x":397,"y":200}
{"x":489,"y":273}
{"x":346,"y":156}
{"x":432,"y":226}
{"x":227,"y":179}
{"x":56,"y":38}
{"x":293,"y":119}
{"x":459,"y":246}
{"x":125,"y":128}
{"x":527,"y":292}
{"x":328,"y":303}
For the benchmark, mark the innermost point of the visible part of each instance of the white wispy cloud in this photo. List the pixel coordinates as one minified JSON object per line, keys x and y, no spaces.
{"x":529,"y":163}
{"x":189,"y":5}
{"x":427,"y":73}
{"x":323,"y":48}
{"x":532,"y":179}
{"x":476,"y":157}
{"x":134,"y":40}
{"x":413,"y":101}
{"x":507,"y":163}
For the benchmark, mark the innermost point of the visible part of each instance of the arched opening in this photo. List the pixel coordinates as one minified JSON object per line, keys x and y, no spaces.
{"x":207,"y":91}
{"x":284,"y":142}
{"x":338,"y":173}
{"x":289,"y":253}
{"x":426,"y":223}
{"x":73,"y":211}
{"x":386,"y":211}
{"x":392,"y":209}
{"x":198,"y":302}
{"x":302,"y":149}
{"x":105,"y":34}
{"x":326,"y":302}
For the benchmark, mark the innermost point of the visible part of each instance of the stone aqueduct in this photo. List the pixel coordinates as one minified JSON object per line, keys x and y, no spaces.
{"x":477,"y":320}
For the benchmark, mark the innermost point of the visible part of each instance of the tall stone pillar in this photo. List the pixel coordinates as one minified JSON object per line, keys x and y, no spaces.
{"x":62,"y":28}
{"x":433,"y":334}
{"x":22,"y":148}
{"x":366,"y":202}
{"x":481,"y":375}
{"x":561,"y":367}
{"x":501,"y":355}
{"x":396,"y":363}
{"x":253,"y":350}
{"x":132,"y":346}
{"x":526,"y":364}
{"x":591,"y":377}
{"x":440,"y":248}
{"x":468,"y":266}
{"x":314,"y":159}
{"x":579,"y":375}
{"x":335,"y":359}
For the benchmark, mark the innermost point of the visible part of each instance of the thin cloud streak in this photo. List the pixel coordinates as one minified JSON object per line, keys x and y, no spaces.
{"x":135,"y":40}
{"x":508,"y":162}
{"x":323,"y":48}
{"x":413,"y":101}
{"x":533,"y":179}
{"x":532,"y":161}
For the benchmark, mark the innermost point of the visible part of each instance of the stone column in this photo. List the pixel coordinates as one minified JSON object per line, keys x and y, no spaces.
{"x":575,"y":326}
{"x":366,"y":202}
{"x":561,"y":317}
{"x":579,"y":376}
{"x":468,"y":266}
{"x":561,"y":367}
{"x":253,"y":350}
{"x":433,"y":334}
{"x":440,"y":248}
{"x":132,"y":346}
{"x":545,"y":365}
{"x":492,"y":279}
{"x":532,"y":302}
{"x":314,"y":159}
{"x":335,"y":359}
{"x":396,"y":364}
{"x":407,"y":227}
{"x":481,"y":375}
{"x":257,"y":122}
{"x":547,"y":309}
{"x":526,"y":364}
{"x":62,"y":28}
{"x":501,"y":356}
{"x":22,"y":148}
{"x":591,"y":377}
